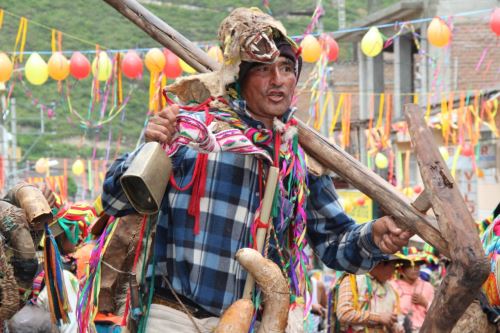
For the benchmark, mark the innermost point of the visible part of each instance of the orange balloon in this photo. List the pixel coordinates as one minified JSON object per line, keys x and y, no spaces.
{"x":42,"y":165}
{"x":438,"y":32}
{"x":6,"y":67}
{"x":311,"y":49}
{"x":58,"y":66}
{"x":155,"y":60}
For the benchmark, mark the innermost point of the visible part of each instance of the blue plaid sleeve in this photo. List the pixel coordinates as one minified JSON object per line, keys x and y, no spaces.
{"x":338,"y":240}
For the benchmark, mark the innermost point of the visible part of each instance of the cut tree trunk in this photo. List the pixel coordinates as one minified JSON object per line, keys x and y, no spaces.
{"x":469,"y":267}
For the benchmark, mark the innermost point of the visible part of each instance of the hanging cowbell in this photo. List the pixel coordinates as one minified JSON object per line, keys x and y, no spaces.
{"x":186,"y":68}
{"x":58,"y":66}
{"x":495,"y":21}
{"x":79,"y":66}
{"x":172,"y":67}
{"x":438,"y":33}
{"x":132,"y":65}
{"x":215,"y":53}
{"x":311,"y":49}
{"x":36,"y":70}
{"x":330,"y":47}
{"x":155,"y":60}
{"x":77,"y":168}
{"x":381,"y":161}
{"x":102,"y":66}
{"x":372,"y":42}
{"x":6,"y":67}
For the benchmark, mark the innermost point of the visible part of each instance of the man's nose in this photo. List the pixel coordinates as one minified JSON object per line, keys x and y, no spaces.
{"x":276,"y":76}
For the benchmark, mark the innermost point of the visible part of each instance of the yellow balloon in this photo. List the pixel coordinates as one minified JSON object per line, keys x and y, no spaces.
{"x":311,"y":49}
{"x":58,"y":66}
{"x":438,"y":33}
{"x":348,"y":205}
{"x":155,"y":60}
{"x":444,"y":153}
{"x":42,"y":165}
{"x":215,"y":53}
{"x":372,"y":42}
{"x":78,"y":167}
{"x":381,"y":161}
{"x":103,"y":68}
{"x":408,"y":191}
{"x":6,"y":67}
{"x":36,"y":70}
{"x":186,"y":68}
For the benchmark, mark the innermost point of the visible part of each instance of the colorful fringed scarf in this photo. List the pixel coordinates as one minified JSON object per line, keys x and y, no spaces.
{"x":491,"y":245}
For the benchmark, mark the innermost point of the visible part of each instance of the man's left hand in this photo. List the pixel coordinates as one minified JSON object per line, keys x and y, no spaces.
{"x":388,"y":237}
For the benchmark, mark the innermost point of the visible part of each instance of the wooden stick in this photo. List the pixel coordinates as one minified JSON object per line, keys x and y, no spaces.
{"x":330,"y":155}
{"x":265,"y":217}
{"x":469,"y":267}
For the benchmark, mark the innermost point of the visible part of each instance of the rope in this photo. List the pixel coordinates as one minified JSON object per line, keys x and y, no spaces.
{"x":190,"y":316}
{"x":116,"y":269}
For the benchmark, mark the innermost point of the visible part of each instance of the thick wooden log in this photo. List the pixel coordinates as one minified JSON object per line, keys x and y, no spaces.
{"x":336,"y":159}
{"x":469,"y":267}
{"x":423,"y":202}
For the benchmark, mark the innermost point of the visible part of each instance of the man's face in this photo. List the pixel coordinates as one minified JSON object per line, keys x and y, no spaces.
{"x":268,"y":89}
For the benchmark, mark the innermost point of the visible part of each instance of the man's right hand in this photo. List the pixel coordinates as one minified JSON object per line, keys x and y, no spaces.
{"x":161,"y":127}
{"x":388,"y":319}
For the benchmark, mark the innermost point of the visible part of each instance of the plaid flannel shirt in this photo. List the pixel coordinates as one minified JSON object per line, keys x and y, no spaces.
{"x":202,"y":267}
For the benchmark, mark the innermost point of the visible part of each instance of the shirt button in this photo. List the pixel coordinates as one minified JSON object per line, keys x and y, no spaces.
{"x":259,"y":127}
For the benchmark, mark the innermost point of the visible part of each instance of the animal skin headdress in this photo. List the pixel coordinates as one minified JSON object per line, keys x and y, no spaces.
{"x":247,"y":34}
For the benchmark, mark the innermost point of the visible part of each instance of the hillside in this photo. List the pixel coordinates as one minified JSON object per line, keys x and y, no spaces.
{"x":86,"y":23}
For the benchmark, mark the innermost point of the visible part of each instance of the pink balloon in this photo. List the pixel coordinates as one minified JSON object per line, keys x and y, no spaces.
{"x":467,"y":150}
{"x":495,"y":21}
{"x":79,"y":66}
{"x":330,"y":46}
{"x":172,"y":67}
{"x":132,"y":65}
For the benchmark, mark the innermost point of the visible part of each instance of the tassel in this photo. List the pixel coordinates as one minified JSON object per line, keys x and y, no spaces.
{"x":54,"y":280}
{"x":200,"y":179}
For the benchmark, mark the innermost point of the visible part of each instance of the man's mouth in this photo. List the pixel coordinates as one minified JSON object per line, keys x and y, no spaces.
{"x":276,"y":96}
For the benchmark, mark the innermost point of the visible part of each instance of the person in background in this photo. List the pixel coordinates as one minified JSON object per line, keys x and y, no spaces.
{"x":368,"y":303}
{"x":415,"y":294}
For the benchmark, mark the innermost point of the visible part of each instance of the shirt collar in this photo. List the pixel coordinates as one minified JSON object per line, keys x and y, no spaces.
{"x":239,"y":105}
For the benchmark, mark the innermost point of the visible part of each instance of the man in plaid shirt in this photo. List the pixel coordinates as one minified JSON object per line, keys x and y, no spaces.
{"x":200,"y":265}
